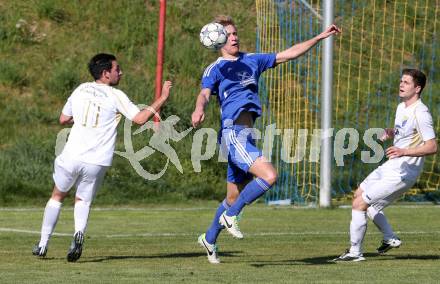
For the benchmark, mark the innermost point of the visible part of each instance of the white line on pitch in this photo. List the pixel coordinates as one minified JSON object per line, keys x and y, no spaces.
{"x":11,"y":230}
{"x":17,"y":209}
{"x":261,"y":234}
{"x":6,"y":209}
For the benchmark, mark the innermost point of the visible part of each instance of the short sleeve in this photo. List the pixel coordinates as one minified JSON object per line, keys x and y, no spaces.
{"x":67,"y":109}
{"x":264,"y":60}
{"x":210,"y":78}
{"x":124,"y":105}
{"x":425,"y":125}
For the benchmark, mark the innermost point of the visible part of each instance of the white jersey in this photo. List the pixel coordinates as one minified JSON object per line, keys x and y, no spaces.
{"x":413,"y":126}
{"x":96,"y":110}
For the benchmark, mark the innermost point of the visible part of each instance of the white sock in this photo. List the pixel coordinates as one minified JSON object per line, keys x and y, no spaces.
{"x":50,"y":218}
{"x":358,"y":227}
{"x":81,"y":215}
{"x":381,"y":222}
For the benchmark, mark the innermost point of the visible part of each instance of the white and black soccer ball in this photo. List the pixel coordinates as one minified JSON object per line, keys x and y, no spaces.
{"x":213,"y":36}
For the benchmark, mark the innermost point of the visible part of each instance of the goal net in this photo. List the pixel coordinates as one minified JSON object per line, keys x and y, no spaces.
{"x":379,"y":39}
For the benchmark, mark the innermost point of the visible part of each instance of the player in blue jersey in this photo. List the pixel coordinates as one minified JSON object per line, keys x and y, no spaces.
{"x":233,"y":78}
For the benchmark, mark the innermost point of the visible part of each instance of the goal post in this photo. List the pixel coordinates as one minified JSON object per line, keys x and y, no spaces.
{"x":379,"y":38}
{"x":326,"y":109}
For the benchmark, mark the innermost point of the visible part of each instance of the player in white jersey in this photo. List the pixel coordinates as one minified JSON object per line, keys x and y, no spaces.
{"x":414,"y":138}
{"x":95,"y":109}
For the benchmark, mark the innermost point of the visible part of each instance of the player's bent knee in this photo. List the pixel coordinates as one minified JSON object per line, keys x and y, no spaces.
{"x":372,"y":212}
{"x":271,"y":177}
{"x":359,"y":204}
{"x":58,"y":195}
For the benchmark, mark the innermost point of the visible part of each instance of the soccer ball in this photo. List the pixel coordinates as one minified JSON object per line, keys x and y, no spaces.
{"x":213,"y":36}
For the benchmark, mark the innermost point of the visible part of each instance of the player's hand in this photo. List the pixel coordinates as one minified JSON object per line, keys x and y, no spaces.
{"x":167,"y":85}
{"x":388,"y":134}
{"x":197,"y":118}
{"x":394,"y":152}
{"x":330,"y":30}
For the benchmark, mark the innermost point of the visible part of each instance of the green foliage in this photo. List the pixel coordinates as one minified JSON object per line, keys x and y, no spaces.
{"x":25,"y":167}
{"x":51,"y":9}
{"x":64,"y":78}
{"x":12,"y":74}
{"x":45,"y":49}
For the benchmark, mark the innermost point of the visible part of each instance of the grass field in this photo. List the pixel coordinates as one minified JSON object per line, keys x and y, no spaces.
{"x":158,"y":244}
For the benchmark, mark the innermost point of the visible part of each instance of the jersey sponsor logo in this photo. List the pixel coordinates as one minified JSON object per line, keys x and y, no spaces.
{"x":246,"y":79}
{"x":237,"y":71}
{"x":243,"y":75}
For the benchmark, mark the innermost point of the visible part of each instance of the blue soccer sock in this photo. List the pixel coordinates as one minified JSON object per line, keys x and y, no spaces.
{"x":250,"y":193}
{"x":215,"y":228}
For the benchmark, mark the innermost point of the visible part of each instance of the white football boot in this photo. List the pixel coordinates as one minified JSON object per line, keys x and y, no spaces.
{"x":231,"y":224}
{"x":211,"y":249}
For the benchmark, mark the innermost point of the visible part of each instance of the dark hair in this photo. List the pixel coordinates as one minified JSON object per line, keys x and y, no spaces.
{"x":418,"y":76}
{"x":99,"y":63}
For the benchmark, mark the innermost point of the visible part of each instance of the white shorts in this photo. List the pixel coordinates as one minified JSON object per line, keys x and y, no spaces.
{"x":86,"y":177}
{"x":382,"y":187}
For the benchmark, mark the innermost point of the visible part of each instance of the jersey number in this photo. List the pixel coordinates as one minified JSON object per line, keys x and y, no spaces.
{"x":91,"y":114}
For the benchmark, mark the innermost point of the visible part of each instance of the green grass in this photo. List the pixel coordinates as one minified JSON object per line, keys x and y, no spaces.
{"x":158,"y":244}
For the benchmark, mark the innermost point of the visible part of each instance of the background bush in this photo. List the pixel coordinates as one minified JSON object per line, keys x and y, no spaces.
{"x":45,"y":47}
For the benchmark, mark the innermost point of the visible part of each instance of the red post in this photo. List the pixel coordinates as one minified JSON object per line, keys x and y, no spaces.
{"x":160,"y":51}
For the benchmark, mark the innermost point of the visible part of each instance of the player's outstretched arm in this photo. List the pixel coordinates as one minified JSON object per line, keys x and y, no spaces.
{"x":144,"y":115}
{"x":198,"y":116}
{"x":301,"y":48}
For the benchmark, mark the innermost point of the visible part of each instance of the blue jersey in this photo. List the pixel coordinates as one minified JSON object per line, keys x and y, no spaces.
{"x":235,"y":82}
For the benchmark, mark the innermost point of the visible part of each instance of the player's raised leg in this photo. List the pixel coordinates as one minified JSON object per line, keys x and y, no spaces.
{"x":265,"y":176}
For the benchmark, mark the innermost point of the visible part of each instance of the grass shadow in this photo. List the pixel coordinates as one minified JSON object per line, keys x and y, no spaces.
{"x":320,"y":260}
{"x":160,"y":256}
{"x":418,"y":257}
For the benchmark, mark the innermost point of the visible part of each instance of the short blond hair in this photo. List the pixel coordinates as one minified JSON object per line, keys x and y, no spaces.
{"x":224,"y":20}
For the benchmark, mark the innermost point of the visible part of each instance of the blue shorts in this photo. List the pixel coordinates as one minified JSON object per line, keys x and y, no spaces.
{"x":242,"y":152}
